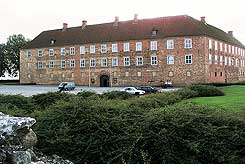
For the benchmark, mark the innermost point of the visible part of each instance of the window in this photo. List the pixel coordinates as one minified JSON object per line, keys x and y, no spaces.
{"x":28,"y":53}
{"x":154,"y":32}
{"x":51,"y":52}
{"x":215,"y":74}
{"x":225,"y":60}
{"x":139,"y":74}
{"x":92,"y":62}
{"x":92,"y":49}
{"x":220,"y":46}
{"x":82,"y":50}
{"x":104,"y":62}
{"x":72,"y":63}
{"x":170,"y":44}
{"x":39,"y":65}
{"x":215,"y":59}
{"x":62,"y":51}
{"x":138,"y":46}
{"x":51,"y":64}
{"x":188,"y":43}
{"x":209,"y":44}
{"x":126,"y":74}
{"x":210,"y":58}
{"x":72,"y":50}
{"x":233,"y":49}
{"x":237,"y":62}
{"x":62,"y":63}
{"x":114,"y":61}
{"x":82,"y":63}
{"x":153,"y":45}
{"x":114,"y":48}
{"x":154,"y":74}
{"x":103,"y":48}
{"x":188,"y":59}
{"x":126,"y":61}
{"x":229,"y":60}
{"x":39,"y":53}
{"x":221,"y":74}
{"x":229,"y":48}
{"x":139,"y":60}
{"x":170,"y":59}
{"x":225,"y":47}
{"x":216,"y":45}
{"x":126,"y":47}
{"x":221,"y":60}
{"x":153,"y":60}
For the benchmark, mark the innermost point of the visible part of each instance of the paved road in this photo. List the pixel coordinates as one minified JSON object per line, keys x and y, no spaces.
{"x":29,"y":90}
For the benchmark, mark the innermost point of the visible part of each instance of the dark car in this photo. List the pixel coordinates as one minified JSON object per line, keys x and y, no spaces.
{"x":148,"y":89}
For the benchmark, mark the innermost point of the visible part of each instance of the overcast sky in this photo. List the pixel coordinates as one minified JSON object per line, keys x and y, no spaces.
{"x":31,"y":17}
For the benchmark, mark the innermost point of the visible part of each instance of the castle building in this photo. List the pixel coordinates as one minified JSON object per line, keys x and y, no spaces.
{"x":135,"y":52}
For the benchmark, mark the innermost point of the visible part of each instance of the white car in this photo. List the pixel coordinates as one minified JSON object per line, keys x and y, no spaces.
{"x":133,"y":90}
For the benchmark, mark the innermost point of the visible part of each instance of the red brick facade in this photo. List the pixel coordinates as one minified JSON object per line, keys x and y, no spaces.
{"x":200,"y":68}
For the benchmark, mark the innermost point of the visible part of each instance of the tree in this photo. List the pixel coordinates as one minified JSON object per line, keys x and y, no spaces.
{"x":13,"y":46}
{"x":3,"y":61}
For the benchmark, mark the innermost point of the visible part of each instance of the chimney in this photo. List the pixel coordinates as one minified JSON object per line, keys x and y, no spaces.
{"x":65,"y":26}
{"x":135,"y":18}
{"x":203,"y":19}
{"x":230,"y":33}
{"x":84,"y":24}
{"x":116,"y":21}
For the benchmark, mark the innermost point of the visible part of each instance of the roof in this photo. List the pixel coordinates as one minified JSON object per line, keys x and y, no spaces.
{"x":173,"y":26}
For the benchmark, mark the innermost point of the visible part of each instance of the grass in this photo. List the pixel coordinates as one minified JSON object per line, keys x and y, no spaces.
{"x":232,"y":103}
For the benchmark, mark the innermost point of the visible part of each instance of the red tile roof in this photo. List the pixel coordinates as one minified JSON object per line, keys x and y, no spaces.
{"x":173,"y":26}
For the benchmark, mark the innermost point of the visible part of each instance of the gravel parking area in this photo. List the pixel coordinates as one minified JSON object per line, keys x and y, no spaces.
{"x":29,"y":90}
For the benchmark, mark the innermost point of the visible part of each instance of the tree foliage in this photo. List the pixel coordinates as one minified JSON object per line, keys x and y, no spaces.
{"x":3,"y":61}
{"x":12,"y":53}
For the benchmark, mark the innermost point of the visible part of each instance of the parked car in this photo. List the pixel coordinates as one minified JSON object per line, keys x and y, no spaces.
{"x":147,"y":89}
{"x":133,"y":90}
{"x":66,"y":86}
{"x":168,"y":83}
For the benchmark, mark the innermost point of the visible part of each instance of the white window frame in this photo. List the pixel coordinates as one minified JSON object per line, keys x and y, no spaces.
{"x":103,"y":62}
{"x":210,"y":44}
{"x":39,"y":65}
{"x":229,"y":61}
{"x":138,"y":46}
{"x":103,"y":48}
{"x":62,"y":64}
{"x":225,"y":60}
{"x":126,"y":61}
{"x":72,"y":50}
{"x":221,"y":46}
{"x":126,"y":47}
{"x":188,"y":43}
{"x":215,"y":59}
{"x":153,"y":45}
{"x":139,"y":60}
{"x":82,"y":63}
{"x":51,"y":64}
{"x":51,"y":52}
{"x":188,"y":61}
{"x":233,"y":49}
{"x":114,"y":61}
{"x":82,"y":50}
{"x":170,"y":44}
{"x":229,"y":49}
{"x":237,"y":62}
{"x":92,"y":62}
{"x":215,"y":45}
{"x":221,"y":60}
{"x":154,"y":60}
{"x":72,"y":63}
{"x":225,"y":47}
{"x":28,"y":53}
{"x":114,"y":47}
{"x":169,"y":60}
{"x":40,"y":53}
{"x":210,"y":58}
{"x":62,"y":51}
{"x":139,"y":74}
{"x":92,"y":49}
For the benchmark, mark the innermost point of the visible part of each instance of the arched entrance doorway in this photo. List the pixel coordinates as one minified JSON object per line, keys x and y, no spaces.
{"x":104,"y":81}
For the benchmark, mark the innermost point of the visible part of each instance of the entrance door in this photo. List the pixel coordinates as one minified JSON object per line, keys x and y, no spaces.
{"x":104,"y":81}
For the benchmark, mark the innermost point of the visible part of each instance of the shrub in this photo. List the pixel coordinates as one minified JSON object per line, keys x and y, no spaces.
{"x":186,"y":93}
{"x":86,"y":94}
{"x":206,"y":90}
{"x":45,"y":99}
{"x":117,"y":95}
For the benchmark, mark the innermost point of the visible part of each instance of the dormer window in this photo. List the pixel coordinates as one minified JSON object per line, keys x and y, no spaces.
{"x":52,"y":41}
{"x":154,"y":32}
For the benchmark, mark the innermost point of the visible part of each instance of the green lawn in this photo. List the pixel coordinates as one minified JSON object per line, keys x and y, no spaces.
{"x":233,"y":101}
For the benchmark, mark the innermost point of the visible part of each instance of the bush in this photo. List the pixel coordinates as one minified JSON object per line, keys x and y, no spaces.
{"x":186,"y":93}
{"x":45,"y":99}
{"x":119,"y":95}
{"x":86,"y":94}
{"x":206,"y":90}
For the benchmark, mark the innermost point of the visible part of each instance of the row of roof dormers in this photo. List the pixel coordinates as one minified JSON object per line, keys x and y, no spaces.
{"x":136,"y":29}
